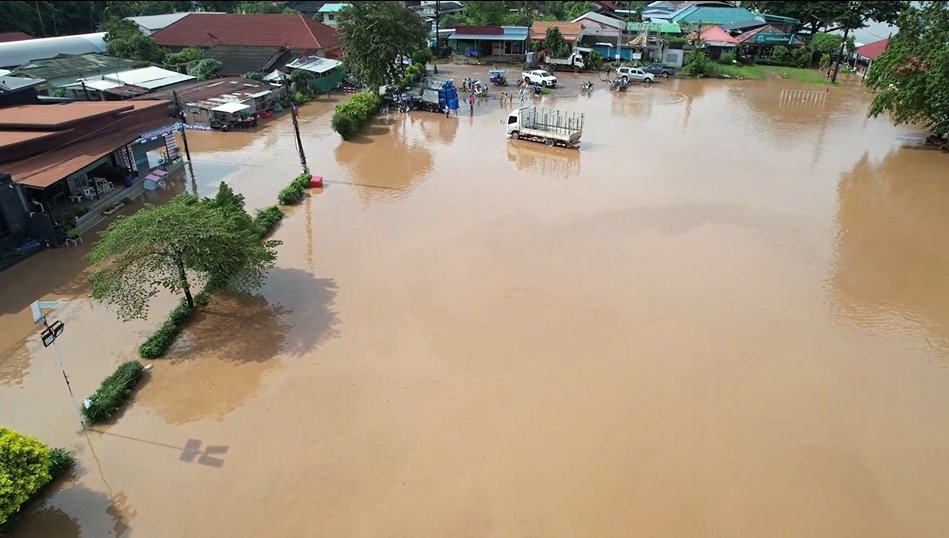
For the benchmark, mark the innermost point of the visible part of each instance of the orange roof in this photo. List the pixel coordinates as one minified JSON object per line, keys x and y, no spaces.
{"x":60,"y":116}
{"x":872,"y":50}
{"x":569,"y":30}
{"x":9,"y":138}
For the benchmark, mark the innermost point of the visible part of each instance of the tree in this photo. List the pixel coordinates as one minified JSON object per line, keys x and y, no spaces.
{"x":124,"y":40}
{"x":567,"y":11}
{"x":816,"y":16}
{"x":485,"y":13}
{"x":375,"y":34}
{"x":911,"y":77}
{"x":554,"y":43}
{"x":168,"y":246}
{"x":205,"y":69}
{"x":185,"y":57}
{"x":24,"y":469}
{"x":258,"y":7}
{"x":824,"y":42}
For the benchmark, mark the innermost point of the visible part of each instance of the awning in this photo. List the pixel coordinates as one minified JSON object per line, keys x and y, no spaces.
{"x":230,"y":108}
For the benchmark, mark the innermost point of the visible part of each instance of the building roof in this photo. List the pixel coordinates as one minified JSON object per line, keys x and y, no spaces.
{"x":211,"y":93}
{"x":7,"y":37}
{"x":654,"y":27}
{"x":314,"y":64}
{"x":490,"y":33}
{"x":20,"y":52}
{"x":714,"y":36}
{"x":9,"y":84}
{"x":230,"y":107}
{"x":600,"y":18}
{"x":78,"y":66}
{"x":873,"y":50}
{"x":295,"y":31}
{"x":766,"y":35}
{"x":569,"y":30}
{"x":305,"y":6}
{"x":153,"y":23}
{"x":756,"y":22}
{"x":147,"y":78}
{"x":331,"y":8}
{"x":711,"y":15}
{"x":239,"y":60}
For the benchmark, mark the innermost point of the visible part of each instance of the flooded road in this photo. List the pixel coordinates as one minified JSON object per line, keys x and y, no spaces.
{"x":727,"y":314}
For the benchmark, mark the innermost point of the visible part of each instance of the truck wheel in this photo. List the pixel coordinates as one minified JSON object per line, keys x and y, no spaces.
{"x":515,"y":135}
{"x":665,"y":74}
{"x":550,"y":142}
{"x":576,"y":69}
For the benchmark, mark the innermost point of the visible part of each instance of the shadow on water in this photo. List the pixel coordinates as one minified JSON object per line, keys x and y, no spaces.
{"x":393,"y":162}
{"x":55,"y":517}
{"x":220,"y":360}
{"x":560,"y":163}
{"x":892,"y":251}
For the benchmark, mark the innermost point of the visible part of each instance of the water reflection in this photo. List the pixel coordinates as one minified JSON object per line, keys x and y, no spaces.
{"x":49,"y":521}
{"x":76,"y":511}
{"x":436,"y":127}
{"x":561,"y":163}
{"x":386,"y":160}
{"x":892,"y":251}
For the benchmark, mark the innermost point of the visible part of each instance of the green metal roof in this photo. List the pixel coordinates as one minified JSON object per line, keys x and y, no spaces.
{"x":660,"y":27}
{"x":712,"y":15}
{"x":77,"y":66}
{"x":778,"y":18}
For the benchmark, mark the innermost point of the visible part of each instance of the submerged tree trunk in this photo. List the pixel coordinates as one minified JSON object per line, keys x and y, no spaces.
{"x":183,"y":277}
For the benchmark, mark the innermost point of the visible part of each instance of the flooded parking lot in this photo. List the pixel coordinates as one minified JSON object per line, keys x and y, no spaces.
{"x":727,"y":314}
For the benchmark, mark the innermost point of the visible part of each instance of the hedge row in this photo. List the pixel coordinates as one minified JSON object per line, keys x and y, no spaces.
{"x":158,"y":343}
{"x":293,"y":192}
{"x":351,"y":116}
{"x":112,"y":393}
{"x":265,"y":220}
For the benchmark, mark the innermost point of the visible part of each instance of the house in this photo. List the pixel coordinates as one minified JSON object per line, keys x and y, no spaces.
{"x":715,"y":39}
{"x":17,"y":53}
{"x":603,"y":27}
{"x":77,"y":158}
{"x":662,"y":11}
{"x":497,"y":41}
{"x":219,"y":103}
{"x":426,"y":10}
{"x":7,"y":37}
{"x":238,"y":60}
{"x":149,"y":24}
{"x":760,"y":41}
{"x":572,"y":32}
{"x":125,"y":84}
{"x":701,"y":15}
{"x":66,"y":69}
{"x":328,"y":13}
{"x":296,"y":33}
{"x":326,"y":73}
{"x":872,"y":51}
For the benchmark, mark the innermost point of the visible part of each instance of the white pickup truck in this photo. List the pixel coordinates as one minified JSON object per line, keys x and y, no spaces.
{"x":552,"y":127}
{"x":539,"y":76}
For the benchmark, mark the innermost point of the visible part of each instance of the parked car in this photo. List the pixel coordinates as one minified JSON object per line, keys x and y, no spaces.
{"x":634,"y":74}
{"x":540,"y":77}
{"x":659,"y":69}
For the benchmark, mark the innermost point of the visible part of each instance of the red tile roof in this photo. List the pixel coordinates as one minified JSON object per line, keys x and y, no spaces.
{"x":206,"y":29}
{"x":872,"y":50}
{"x":6,"y":37}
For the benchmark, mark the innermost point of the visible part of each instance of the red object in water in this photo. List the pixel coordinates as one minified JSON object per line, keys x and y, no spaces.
{"x":316,"y":182}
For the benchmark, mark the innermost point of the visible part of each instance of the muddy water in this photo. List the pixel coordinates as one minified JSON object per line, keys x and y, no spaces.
{"x":726,"y":315}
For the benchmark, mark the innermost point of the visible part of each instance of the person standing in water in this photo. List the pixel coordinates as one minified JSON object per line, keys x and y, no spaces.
{"x":471,"y":104}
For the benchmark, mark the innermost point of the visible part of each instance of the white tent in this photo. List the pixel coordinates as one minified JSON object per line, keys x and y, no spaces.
{"x":230,"y":108}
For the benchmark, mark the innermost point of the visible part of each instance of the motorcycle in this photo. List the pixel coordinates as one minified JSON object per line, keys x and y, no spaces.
{"x":497,"y":77}
{"x":586,"y":86}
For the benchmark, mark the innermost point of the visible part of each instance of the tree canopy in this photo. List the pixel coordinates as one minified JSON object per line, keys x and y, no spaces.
{"x":824,"y":42}
{"x":168,"y":246}
{"x":911,"y":77}
{"x":829,"y":16}
{"x":124,"y":40}
{"x":375,"y":34}
{"x":24,"y":469}
{"x":554,"y":43}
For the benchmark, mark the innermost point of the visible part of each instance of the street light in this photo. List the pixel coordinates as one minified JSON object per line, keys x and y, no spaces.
{"x":48,"y":335}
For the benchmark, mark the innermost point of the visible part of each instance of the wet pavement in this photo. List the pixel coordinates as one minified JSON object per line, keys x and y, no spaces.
{"x":727,"y":314}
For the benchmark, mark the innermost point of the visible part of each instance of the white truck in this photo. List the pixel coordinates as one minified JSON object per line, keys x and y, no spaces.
{"x":552,"y":127}
{"x":540,"y":77}
{"x":574,"y":62}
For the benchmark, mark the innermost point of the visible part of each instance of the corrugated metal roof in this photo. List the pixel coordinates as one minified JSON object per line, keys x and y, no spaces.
{"x":712,"y":15}
{"x":157,"y":22}
{"x":331,"y":8}
{"x":150,"y":78}
{"x":81,"y":65}
{"x":661,"y":27}
{"x":17,"y":53}
{"x":314,"y":64}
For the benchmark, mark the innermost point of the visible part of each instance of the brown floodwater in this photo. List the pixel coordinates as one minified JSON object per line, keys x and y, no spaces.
{"x":727,"y":314}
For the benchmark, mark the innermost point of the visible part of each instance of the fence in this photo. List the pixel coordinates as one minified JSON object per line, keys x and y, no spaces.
{"x":803,"y":97}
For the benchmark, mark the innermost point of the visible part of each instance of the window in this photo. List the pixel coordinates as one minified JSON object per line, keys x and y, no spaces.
{"x":513,"y":47}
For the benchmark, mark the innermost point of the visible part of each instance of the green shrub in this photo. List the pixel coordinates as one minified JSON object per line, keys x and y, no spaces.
{"x":302,"y":181}
{"x":266,"y":219}
{"x":801,"y":57}
{"x":158,"y":343}
{"x":697,"y":65}
{"x":780,"y":55}
{"x":345,"y":125}
{"x":113,"y":392}
{"x":60,"y":462}
{"x":727,"y":58}
{"x":299,"y":98}
{"x":421,"y":57}
{"x":24,"y":469}
{"x":289,"y":195}
{"x":544,"y":90}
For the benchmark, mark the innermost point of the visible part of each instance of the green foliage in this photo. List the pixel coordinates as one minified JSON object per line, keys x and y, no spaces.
{"x":487,"y":12}
{"x":676,"y":42}
{"x":727,"y":58}
{"x":163,"y":247}
{"x":825,"y":59}
{"x":294,"y":192}
{"x":113,"y":392}
{"x":186,"y":56}
{"x":71,"y":215}
{"x":351,"y":116}
{"x":254,"y":75}
{"x":911,"y":77}
{"x":780,"y":55}
{"x":596,"y":60}
{"x":24,"y":469}
{"x":697,"y":65}
{"x":832,"y":15}
{"x":554,"y":43}
{"x":824,"y":42}
{"x":258,"y":7}
{"x":205,"y":69}
{"x":567,"y":11}
{"x":422,"y":57}
{"x":265,"y":220}
{"x":300,"y":97}
{"x":124,"y":40}
{"x":374,"y":34}
{"x":158,"y":343}
{"x":800,"y":57}
{"x":61,"y":461}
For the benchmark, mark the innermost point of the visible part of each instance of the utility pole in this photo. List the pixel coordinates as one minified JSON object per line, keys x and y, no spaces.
{"x":437,"y":47}
{"x":294,"y":111}
{"x":180,"y":114}
{"x":843,"y":45}
{"x":48,"y":335}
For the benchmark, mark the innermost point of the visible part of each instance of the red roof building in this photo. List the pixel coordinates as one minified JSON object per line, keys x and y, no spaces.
{"x":7,"y":37}
{"x":873,"y":50}
{"x":296,"y":32}
{"x":571,"y":31}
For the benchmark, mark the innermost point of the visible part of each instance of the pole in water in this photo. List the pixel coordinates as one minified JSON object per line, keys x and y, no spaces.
{"x":72,"y":397}
{"x":180,"y":114}
{"x":296,"y":130}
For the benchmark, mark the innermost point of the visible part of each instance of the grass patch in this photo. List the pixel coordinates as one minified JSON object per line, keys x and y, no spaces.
{"x":752,"y":72}
{"x":798,"y":74}
{"x":113,"y":392}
